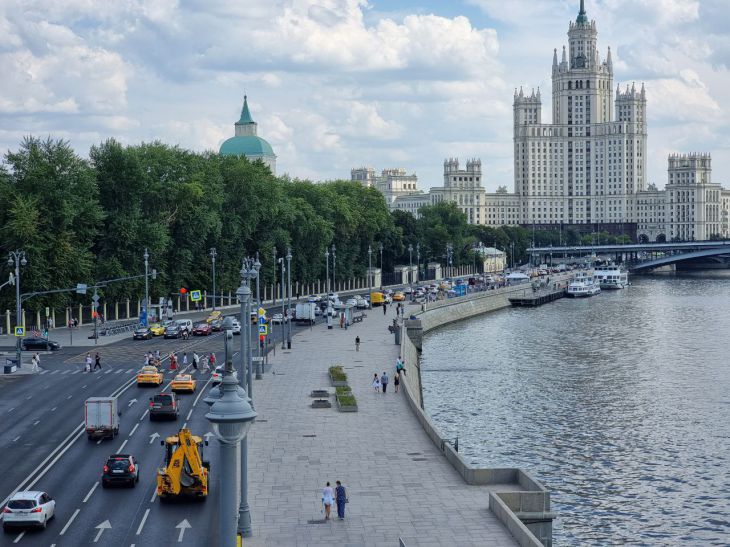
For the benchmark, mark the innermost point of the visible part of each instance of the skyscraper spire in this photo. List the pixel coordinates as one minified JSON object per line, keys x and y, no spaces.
{"x":582,"y":17}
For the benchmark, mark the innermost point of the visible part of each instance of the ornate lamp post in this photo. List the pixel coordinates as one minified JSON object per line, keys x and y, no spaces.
{"x":288,"y":275}
{"x":370,"y":275}
{"x":334,"y":268}
{"x":18,"y":259}
{"x":410,"y":263}
{"x":146,"y":307}
{"x":283,"y":301}
{"x":418,"y":262}
{"x":257,"y":267}
{"x":327,"y":277}
{"x":213,"y":254}
{"x":381,"y":262}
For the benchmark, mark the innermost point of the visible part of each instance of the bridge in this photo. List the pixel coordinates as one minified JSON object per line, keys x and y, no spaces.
{"x":639,"y":257}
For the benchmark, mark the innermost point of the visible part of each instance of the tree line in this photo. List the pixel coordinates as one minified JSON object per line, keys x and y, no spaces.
{"x":84,"y":220}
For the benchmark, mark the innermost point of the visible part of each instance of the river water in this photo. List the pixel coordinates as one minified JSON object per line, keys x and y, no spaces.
{"x":619,"y":404}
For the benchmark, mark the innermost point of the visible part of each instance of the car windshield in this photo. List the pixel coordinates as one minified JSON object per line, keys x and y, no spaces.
{"x":163,"y":399}
{"x":21,"y":504}
{"x":118,"y":463}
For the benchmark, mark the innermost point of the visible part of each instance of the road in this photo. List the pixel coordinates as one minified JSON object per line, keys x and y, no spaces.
{"x":45,"y":448}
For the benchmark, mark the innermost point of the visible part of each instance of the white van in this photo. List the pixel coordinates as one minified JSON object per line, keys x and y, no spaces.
{"x":186,"y":324}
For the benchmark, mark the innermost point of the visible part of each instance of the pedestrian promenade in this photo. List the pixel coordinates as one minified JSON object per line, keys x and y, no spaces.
{"x":399,"y":484}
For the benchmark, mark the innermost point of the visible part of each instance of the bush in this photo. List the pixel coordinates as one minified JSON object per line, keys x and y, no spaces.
{"x":337,"y":374}
{"x":343,"y":390}
{"x":347,"y":400}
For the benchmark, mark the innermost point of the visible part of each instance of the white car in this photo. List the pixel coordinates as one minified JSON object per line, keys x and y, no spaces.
{"x":351,"y":302}
{"x":217,"y":376}
{"x":31,"y":508}
{"x":236,"y":326}
{"x":277,"y":319}
{"x":314,"y":298}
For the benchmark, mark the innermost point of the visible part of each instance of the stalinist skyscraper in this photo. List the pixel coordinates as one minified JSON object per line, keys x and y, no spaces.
{"x":587,"y":165}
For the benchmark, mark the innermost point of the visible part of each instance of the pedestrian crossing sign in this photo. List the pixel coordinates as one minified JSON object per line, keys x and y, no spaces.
{"x":196,"y":296}
{"x":19,"y":331}
{"x":263,"y":329}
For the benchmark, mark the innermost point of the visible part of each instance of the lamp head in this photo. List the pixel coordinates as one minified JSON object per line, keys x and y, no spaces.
{"x":10,"y":260}
{"x":23,"y":261}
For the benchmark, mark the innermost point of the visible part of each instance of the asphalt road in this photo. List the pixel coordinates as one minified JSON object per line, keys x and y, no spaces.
{"x":45,"y":448}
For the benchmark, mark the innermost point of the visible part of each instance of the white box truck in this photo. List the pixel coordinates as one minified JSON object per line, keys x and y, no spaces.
{"x":102,"y":418}
{"x":306,"y":313}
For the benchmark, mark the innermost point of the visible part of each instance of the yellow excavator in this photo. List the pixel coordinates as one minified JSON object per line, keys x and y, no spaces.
{"x":185,"y":472}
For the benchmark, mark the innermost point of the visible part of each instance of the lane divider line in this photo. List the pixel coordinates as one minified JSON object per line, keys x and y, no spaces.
{"x":90,"y":492}
{"x":123,"y":445}
{"x":133,"y":430}
{"x":73,"y":517}
{"x":144,"y":519}
{"x":20,"y":536}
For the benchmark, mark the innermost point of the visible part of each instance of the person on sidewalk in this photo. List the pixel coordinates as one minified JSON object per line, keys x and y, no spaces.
{"x":357,"y":343}
{"x":87,"y":363}
{"x":399,"y":366}
{"x":384,"y":381}
{"x":396,"y":382}
{"x":376,"y":382}
{"x":341,"y":499}
{"x":328,"y":497}
{"x":97,"y":361}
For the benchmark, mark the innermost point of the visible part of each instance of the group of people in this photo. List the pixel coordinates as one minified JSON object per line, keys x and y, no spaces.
{"x":331,"y":496}
{"x":383,"y":381}
{"x":205,"y":364}
{"x":88,"y":362}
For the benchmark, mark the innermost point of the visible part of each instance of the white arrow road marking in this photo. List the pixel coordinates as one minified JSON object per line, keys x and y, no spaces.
{"x":153,"y":437}
{"x":184,"y":525}
{"x":132,"y":402}
{"x":90,"y":492}
{"x":76,"y":513}
{"x":133,"y":429}
{"x":144,"y":519}
{"x":101,"y":527}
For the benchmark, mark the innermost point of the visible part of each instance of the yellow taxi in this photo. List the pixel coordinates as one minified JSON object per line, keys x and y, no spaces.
{"x":157,"y":329}
{"x":149,"y":375}
{"x":399,"y":297}
{"x":183,"y":382}
{"x":213,"y":316}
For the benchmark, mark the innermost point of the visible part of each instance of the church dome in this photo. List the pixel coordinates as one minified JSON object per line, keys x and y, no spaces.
{"x":248,"y":145}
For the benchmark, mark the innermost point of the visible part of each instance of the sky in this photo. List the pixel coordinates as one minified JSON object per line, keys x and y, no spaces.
{"x":337,"y":84}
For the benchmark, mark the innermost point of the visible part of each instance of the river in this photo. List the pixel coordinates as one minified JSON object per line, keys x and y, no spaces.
{"x":619,"y":404}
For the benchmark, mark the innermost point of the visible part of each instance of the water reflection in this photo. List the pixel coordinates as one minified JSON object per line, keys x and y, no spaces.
{"x":617,"y":403}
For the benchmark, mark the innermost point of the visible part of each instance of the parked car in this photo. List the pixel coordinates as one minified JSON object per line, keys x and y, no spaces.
{"x":164,"y":405}
{"x":28,"y":508}
{"x":32,"y":342}
{"x":120,"y":469}
{"x":142,"y":333}
{"x":202,"y":329}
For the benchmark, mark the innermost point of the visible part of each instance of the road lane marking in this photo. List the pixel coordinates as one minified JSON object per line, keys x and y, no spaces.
{"x":29,"y":397}
{"x":154,"y":497}
{"x":54,"y":372}
{"x":118,"y":371}
{"x":123,"y":445}
{"x":185,"y":425}
{"x":54,"y":409}
{"x":184,"y":525}
{"x":9,"y":411}
{"x":84,"y":386}
{"x":190,"y":413}
{"x":36,"y":422}
{"x":65,"y":372}
{"x":144,"y":519}
{"x":76,"y":513}
{"x":154,"y":436}
{"x":133,"y":429}
{"x":16,"y":438}
{"x":106,"y":525}
{"x":75,"y":372}
{"x":90,"y":492}
{"x":145,"y":414}
{"x":20,"y":536}
{"x":99,"y":442}
{"x":67,"y":398}
{"x":130,"y":370}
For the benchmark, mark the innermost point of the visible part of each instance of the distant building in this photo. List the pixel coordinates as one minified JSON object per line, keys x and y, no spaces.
{"x":246,"y":141}
{"x":392,"y":183}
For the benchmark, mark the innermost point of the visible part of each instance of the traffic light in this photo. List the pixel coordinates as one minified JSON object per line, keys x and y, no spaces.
{"x":183,"y":291}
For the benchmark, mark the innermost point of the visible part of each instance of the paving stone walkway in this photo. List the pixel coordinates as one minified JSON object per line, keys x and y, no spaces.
{"x":399,"y":484}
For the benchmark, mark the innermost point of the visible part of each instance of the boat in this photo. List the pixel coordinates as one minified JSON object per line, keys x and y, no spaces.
{"x":611,"y":276}
{"x":582,"y":285}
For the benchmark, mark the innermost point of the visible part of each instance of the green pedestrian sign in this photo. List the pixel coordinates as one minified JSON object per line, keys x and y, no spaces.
{"x":196,"y":296}
{"x":19,"y":331}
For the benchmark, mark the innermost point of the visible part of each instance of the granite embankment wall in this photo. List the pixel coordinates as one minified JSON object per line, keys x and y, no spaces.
{"x":520,"y":501}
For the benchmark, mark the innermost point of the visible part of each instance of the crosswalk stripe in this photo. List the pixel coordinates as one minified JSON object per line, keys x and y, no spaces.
{"x":55,"y":372}
{"x":44,"y":372}
{"x":118,"y":371}
{"x":76,"y":371}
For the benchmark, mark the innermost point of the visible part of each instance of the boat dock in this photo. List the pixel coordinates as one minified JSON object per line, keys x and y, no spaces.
{"x":538,"y":298}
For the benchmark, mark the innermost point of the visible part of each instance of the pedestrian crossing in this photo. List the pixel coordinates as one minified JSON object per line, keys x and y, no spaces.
{"x":76,"y":371}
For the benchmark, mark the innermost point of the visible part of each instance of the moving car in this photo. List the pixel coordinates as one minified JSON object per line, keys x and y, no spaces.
{"x":149,"y":375}
{"x":32,"y":342}
{"x":142,"y":333}
{"x":235,"y":326}
{"x":173,"y":331}
{"x":217,"y":376}
{"x":183,"y":382}
{"x":28,"y":508}
{"x":399,"y":297}
{"x":164,"y":405}
{"x":157,"y":329}
{"x":377,"y":298}
{"x":314,"y":298}
{"x":217,"y":325}
{"x":120,"y":469}
{"x":202,"y":329}
{"x":212,"y":316}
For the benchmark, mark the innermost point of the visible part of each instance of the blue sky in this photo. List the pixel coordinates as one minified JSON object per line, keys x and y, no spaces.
{"x":336,"y":84}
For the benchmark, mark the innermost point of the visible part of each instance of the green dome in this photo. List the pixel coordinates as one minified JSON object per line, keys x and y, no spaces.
{"x":248,"y":145}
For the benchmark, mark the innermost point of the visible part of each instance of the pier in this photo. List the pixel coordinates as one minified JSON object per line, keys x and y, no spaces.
{"x":537,"y":298}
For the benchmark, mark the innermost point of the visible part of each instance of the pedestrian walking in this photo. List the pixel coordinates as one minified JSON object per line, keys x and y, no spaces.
{"x":396,"y":382}
{"x":328,"y":498}
{"x":342,"y":320}
{"x":384,"y":381}
{"x":376,"y":382}
{"x":157,"y":354}
{"x":87,"y":363}
{"x":204,"y":364}
{"x":357,"y":343}
{"x":173,"y":361}
{"x":97,"y":361}
{"x":146,"y":359}
{"x":399,"y":366}
{"x":196,"y":359}
{"x":185,"y":359}
{"x":341,"y":499}
{"x":212,"y":360}
{"x":385,"y":308}
{"x":35,"y":361}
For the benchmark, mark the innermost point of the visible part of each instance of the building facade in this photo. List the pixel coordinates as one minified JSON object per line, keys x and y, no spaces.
{"x":587,"y":167}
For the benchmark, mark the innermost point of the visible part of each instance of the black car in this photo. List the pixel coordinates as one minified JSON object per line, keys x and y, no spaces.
{"x":164,"y":405}
{"x":120,"y":469}
{"x":142,"y":333}
{"x":216,"y":325}
{"x":38,"y":343}
{"x":173,"y":331}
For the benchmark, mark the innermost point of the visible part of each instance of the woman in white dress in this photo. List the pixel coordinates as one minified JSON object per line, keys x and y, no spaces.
{"x":328,"y":498}
{"x":376,"y":382}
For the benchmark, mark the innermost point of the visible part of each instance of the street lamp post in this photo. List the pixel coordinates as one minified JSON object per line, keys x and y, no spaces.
{"x":418,"y":262}
{"x":259,"y":364}
{"x":18,"y":259}
{"x":231,"y":417}
{"x":274,"y":270}
{"x":410,"y":263}
{"x":283,"y":301}
{"x":213,"y":254}
{"x":288,"y":275}
{"x":327,"y":278}
{"x":334,"y":268}
{"x":381,"y":264}
{"x":146,"y":286}
{"x":449,"y":255}
{"x":370,"y":275}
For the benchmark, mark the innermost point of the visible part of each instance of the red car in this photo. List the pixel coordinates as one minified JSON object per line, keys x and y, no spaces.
{"x":202,"y":329}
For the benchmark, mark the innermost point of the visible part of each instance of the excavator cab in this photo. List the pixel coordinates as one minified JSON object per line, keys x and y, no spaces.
{"x":185,"y":472}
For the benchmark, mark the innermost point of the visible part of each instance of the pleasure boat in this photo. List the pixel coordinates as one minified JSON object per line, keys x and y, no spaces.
{"x":611,"y":276}
{"x":582,"y":285}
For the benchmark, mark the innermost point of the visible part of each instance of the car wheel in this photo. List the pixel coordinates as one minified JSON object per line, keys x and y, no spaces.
{"x":45,"y":523}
